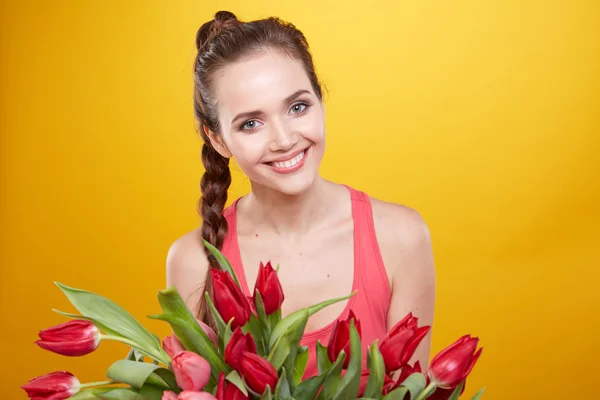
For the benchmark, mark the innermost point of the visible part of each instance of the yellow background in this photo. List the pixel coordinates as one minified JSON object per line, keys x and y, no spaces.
{"x":482,"y":115}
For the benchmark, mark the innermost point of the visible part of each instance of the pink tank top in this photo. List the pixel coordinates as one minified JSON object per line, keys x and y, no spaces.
{"x":371,"y":302}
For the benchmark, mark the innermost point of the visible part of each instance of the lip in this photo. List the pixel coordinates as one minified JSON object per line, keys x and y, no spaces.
{"x":286,"y":158}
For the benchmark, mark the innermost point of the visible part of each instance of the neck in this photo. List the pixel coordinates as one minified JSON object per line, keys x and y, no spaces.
{"x":289,"y":214}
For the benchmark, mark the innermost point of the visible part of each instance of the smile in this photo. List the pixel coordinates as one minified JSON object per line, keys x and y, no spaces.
{"x":290,"y":165}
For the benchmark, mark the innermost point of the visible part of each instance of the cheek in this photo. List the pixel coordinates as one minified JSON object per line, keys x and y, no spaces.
{"x":247,"y":150}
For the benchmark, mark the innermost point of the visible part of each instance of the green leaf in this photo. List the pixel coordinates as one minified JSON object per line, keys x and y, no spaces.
{"x":478,"y":395}
{"x":262,"y":316}
{"x":287,"y":344}
{"x":350,"y":383}
{"x":221,"y":325}
{"x":456,"y":392}
{"x":323,"y":362}
{"x":267,"y":395}
{"x":308,"y":389}
{"x":235,"y":378}
{"x":88,"y":394}
{"x":396,"y":394}
{"x":282,"y":390}
{"x":147,"y":393}
{"x":376,"y":372}
{"x":253,"y":327}
{"x":188,"y":331}
{"x":294,"y":319}
{"x":135,"y":355}
{"x":133,"y":373}
{"x":99,"y":325}
{"x":303,"y":313}
{"x":333,"y":379}
{"x":223,"y":262}
{"x":168,"y":377}
{"x":113,"y":317}
{"x":415,"y":383}
{"x":300,"y":364}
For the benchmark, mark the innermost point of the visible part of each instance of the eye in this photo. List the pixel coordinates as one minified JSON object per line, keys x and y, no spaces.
{"x":299,"y":108}
{"x":250,"y":125}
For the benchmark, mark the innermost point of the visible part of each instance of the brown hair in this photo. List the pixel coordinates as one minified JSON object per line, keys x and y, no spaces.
{"x":220,"y":42}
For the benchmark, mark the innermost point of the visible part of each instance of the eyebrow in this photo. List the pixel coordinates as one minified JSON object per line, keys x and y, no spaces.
{"x":258,"y":113}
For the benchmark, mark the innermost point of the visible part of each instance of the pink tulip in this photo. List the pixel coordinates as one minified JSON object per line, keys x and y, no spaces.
{"x":58,"y":385}
{"x":453,"y":364}
{"x":72,"y":338}
{"x":190,"y":395}
{"x":172,"y":345}
{"x":192,"y":371}
{"x":209,"y":332}
{"x":168,"y":395}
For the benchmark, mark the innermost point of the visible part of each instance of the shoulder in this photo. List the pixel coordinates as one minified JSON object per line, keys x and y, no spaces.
{"x":404,"y":241}
{"x":399,"y":224}
{"x":186,"y":267}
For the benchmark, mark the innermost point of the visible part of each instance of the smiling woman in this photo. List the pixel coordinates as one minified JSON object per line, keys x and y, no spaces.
{"x":258,"y":100}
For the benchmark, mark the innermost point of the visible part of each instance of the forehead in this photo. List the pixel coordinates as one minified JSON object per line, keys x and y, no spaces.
{"x":259,"y":82}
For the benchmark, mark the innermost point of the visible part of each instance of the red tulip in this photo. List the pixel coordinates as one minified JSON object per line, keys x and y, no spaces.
{"x":340,"y":338}
{"x":388,"y":383}
{"x":269,"y":287}
{"x":453,"y":364}
{"x":258,"y":373}
{"x":238,"y":345}
{"x":191,"y":395}
{"x":58,"y":385}
{"x":192,"y":371}
{"x":168,"y":395}
{"x":408,"y":370}
{"x":172,"y":345}
{"x":229,"y":300}
{"x":229,"y":391}
{"x":400,"y":343}
{"x":72,"y":338}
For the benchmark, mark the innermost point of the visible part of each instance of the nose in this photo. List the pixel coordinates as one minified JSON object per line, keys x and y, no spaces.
{"x":282,"y":137}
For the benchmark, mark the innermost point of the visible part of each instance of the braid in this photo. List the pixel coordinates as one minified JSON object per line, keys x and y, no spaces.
{"x":214,"y":185}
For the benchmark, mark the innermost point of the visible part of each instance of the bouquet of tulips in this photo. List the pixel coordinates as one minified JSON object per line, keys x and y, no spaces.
{"x":254,"y":354}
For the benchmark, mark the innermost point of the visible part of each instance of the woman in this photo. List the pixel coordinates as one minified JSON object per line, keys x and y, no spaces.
{"x":258,"y":99}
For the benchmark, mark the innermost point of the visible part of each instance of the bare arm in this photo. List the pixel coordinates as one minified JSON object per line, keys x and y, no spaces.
{"x":407,"y":253}
{"x":186,"y":268}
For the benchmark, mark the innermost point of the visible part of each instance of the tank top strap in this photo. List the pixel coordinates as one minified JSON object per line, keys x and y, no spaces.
{"x":371,"y":271}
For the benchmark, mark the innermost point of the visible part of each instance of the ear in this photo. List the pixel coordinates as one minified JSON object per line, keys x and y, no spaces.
{"x":217,"y":143}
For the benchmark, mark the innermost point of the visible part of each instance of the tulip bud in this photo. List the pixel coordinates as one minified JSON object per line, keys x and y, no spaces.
{"x":408,"y":370}
{"x":340,"y":338}
{"x":258,"y":373}
{"x":72,"y":338}
{"x":192,"y":371}
{"x":191,"y":395}
{"x":172,"y":345}
{"x":58,"y":385}
{"x":228,"y":391}
{"x":238,"y":345}
{"x":168,"y":395}
{"x":269,"y":287}
{"x":228,"y":298}
{"x":453,"y":364}
{"x":388,"y":383}
{"x":400,"y":343}
{"x":209,"y":332}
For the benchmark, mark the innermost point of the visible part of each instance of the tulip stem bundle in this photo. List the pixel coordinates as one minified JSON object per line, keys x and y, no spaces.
{"x":255,"y":353}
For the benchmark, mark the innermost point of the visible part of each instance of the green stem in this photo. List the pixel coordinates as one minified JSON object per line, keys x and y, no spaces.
{"x":101,"y":383}
{"x":133,"y":344}
{"x":426,"y":392}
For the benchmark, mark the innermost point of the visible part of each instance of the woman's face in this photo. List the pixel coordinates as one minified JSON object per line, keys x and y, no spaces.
{"x":271,"y":121}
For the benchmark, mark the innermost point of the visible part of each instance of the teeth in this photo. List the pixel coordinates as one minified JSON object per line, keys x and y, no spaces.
{"x":289,"y":163}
